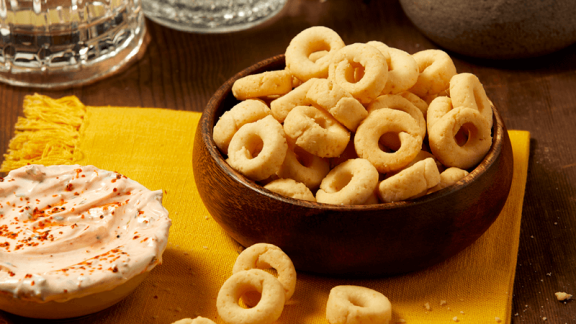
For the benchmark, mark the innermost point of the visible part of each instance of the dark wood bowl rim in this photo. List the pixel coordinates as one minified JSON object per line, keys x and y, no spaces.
{"x":208,"y":121}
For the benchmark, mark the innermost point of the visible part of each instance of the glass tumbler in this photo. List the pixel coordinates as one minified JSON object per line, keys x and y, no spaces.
{"x":64,"y":43}
{"x":211,"y":16}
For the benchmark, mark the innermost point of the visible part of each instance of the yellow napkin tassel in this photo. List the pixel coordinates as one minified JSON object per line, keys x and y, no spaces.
{"x":48,"y":134}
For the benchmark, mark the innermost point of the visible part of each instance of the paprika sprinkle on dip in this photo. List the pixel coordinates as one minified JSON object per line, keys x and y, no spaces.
{"x":66,"y":232}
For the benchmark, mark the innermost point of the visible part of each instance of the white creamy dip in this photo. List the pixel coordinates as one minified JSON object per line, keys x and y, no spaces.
{"x":70,"y":231}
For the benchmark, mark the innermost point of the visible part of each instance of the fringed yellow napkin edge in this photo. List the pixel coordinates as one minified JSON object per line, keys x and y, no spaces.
{"x":48,"y":134}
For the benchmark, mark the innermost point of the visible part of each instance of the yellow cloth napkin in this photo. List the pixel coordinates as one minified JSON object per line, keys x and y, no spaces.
{"x":154,"y":147}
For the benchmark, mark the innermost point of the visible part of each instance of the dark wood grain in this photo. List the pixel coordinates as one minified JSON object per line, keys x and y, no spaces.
{"x":182,"y":71}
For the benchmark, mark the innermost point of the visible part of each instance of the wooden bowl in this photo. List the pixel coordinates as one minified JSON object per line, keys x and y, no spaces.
{"x":357,"y":241}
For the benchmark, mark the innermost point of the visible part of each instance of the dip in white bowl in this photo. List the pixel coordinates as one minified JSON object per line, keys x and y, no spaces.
{"x":75,"y":239}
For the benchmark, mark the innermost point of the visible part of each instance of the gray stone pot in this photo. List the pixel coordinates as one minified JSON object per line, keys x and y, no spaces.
{"x":496,"y":29}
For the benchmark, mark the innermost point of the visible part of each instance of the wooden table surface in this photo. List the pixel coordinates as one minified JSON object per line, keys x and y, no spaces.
{"x":182,"y":70}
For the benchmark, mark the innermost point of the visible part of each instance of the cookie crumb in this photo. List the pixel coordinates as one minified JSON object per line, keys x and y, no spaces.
{"x":401,"y":321}
{"x":462,"y":312}
{"x":544,"y":318}
{"x":562,"y":296}
{"x":443,"y":302}
{"x":455,"y":318}
{"x":427,"y":306}
{"x":498,"y":319}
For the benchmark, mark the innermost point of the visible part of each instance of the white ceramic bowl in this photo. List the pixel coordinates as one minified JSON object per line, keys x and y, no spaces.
{"x":75,"y":239}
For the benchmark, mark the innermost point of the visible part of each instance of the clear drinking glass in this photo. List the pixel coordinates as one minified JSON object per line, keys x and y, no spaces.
{"x":62,"y":43}
{"x":211,"y":16}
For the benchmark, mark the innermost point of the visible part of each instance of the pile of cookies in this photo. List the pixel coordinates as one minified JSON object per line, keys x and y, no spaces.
{"x":356,"y":124}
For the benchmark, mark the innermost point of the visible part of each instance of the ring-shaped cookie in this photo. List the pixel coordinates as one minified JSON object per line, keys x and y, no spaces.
{"x":291,"y":188}
{"x":262,"y":85}
{"x":258,"y":149}
{"x":444,"y":93}
{"x":282,"y":106}
{"x":197,"y":320}
{"x":316,"y":131}
{"x":398,"y":102}
{"x":338,"y":102}
{"x":449,"y":177}
{"x":436,"y":69}
{"x":380,"y":122}
{"x":422,"y":155}
{"x":374,"y":66}
{"x":325,"y":94}
{"x":467,"y":91}
{"x":402,"y":68}
{"x":410,"y":182}
{"x":245,"y":112}
{"x":317,"y":55}
{"x":295,"y":81}
{"x":402,"y":72}
{"x":439,"y":107}
{"x":265,"y":256}
{"x":383,"y":48}
{"x":301,"y":47}
{"x":268,"y":309}
{"x":372,"y":199}
{"x":441,"y":138}
{"x":349,"y":112}
{"x":304,"y":167}
{"x":350,"y":183}
{"x":416,"y":101}
{"x":357,"y":305}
